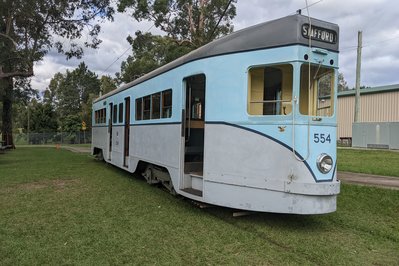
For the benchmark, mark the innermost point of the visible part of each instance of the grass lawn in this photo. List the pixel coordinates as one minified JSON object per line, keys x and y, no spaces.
{"x":375,"y":162}
{"x":58,"y":207}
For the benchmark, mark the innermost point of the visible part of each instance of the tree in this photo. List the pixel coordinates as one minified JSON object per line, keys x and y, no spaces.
{"x":29,"y":29}
{"x":342,"y":84}
{"x":107,"y":84}
{"x":149,"y":52}
{"x":188,"y":25}
{"x":67,"y":96}
{"x":195,"y":22}
{"x":72,"y":94}
{"x":23,"y":95}
{"x":43,"y":117}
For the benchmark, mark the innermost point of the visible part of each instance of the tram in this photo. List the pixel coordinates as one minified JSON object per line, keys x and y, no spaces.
{"x":247,"y":121}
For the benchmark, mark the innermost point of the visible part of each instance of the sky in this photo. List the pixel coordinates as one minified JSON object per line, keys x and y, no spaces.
{"x":377,"y":19}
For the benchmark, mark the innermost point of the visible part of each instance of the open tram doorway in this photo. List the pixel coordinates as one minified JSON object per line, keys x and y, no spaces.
{"x":126,"y":133}
{"x":111,"y":110}
{"x":194,"y":133}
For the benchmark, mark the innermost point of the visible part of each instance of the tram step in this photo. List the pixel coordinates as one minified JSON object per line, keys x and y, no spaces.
{"x":196,"y":181}
{"x":196,"y":174}
{"x":193,"y":191}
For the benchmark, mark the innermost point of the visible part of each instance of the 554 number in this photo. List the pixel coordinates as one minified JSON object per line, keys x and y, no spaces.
{"x":321,"y":138}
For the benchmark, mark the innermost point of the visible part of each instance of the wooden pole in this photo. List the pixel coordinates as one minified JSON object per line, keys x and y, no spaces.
{"x":28,"y":124}
{"x":358,"y":67}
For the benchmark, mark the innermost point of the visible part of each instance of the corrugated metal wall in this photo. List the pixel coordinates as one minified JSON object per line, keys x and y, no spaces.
{"x":382,"y":135}
{"x":375,"y":107}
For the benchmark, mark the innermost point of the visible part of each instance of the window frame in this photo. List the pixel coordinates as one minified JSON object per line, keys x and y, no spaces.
{"x":316,"y":101}
{"x":115,"y":114}
{"x":139,"y":109}
{"x":100,"y":116}
{"x":140,"y":105}
{"x":146,"y":112}
{"x":154,"y":114}
{"x":282,"y":102}
{"x":120,"y":114}
{"x":166,"y":107}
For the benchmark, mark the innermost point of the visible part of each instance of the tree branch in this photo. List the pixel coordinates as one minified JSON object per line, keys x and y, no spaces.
{"x":180,"y":42}
{"x":24,"y":74}
{"x":9,"y":38}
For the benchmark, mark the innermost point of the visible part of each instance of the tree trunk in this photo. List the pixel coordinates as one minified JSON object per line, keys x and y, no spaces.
{"x":6,"y":85}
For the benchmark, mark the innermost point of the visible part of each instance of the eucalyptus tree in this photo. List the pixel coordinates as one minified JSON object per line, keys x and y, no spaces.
{"x":187,"y":24}
{"x":29,"y":29}
{"x":107,"y":84}
{"x":72,"y":95}
{"x":149,"y":52}
{"x":194,"y":21}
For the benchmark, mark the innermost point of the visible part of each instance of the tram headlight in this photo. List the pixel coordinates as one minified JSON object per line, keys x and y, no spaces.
{"x":324,"y":163}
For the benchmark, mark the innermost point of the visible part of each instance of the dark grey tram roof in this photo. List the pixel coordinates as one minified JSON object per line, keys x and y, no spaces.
{"x":276,"y":33}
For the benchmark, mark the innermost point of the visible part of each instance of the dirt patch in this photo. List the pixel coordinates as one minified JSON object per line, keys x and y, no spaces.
{"x":57,"y":184}
{"x":31,"y":186}
{"x":77,"y":149}
{"x":369,"y":180}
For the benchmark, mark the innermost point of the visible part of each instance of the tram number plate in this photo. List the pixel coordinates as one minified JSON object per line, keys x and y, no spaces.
{"x":321,"y":138}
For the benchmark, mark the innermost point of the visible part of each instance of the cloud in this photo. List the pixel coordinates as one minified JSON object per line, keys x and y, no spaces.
{"x":102,"y":60}
{"x":376,"y":18}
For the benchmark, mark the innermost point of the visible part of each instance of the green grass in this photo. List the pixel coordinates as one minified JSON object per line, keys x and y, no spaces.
{"x":78,"y":145}
{"x":375,"y":162}
{"x":58,"y":207}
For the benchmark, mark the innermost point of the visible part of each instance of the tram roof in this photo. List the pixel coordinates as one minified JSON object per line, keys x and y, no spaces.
{"x":271,"y":34}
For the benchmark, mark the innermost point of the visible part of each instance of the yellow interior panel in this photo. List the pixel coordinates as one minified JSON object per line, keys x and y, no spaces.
{"x":256,"y":87}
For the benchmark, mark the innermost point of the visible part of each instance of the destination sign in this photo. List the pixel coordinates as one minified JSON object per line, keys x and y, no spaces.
{"x":319,"y":34}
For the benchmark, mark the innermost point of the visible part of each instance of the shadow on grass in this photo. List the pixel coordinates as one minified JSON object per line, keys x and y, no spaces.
{"x":262,"y":219}
{"x":288,"y":221}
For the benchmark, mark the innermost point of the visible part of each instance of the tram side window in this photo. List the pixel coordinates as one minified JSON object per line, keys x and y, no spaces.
{"x":316,"y":99}
{"x":154,"y":106}
{"x":115,"y":114}
{"x":155,"y":103}
{"x":139,"y":106}
{"x":146,"y":107}
{"x":120,"y":120}
{"x":96,"y":116}
{"x":166,"y":103}
{"x":103,"y":116}
{"x":270,"y":90}
{"x":99,"y":116}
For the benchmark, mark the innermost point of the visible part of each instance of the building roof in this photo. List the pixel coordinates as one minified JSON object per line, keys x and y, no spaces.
{"x":379,"y":89}
{"x":276,"y":33}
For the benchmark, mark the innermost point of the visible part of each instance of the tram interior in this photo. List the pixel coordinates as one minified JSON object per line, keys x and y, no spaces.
{"x":194,"y":135}
{"x":270,"y":90}
{"x":316,"y":99}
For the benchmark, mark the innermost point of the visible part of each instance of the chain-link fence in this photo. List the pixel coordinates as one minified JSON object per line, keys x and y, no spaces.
{"x":81,"y":137}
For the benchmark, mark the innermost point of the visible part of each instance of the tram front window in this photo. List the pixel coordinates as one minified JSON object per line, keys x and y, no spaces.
{"x":317,"y":98}
{"x":270,"y":90}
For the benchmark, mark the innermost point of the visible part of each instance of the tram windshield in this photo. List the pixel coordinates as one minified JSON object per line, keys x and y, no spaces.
{"x":270,"y":90}
{"x":317,"y":98}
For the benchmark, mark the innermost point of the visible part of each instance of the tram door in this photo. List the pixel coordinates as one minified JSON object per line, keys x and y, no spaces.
{"x":111,"y":115}
{"x":127,"y":132}
{"x":193,"y":132}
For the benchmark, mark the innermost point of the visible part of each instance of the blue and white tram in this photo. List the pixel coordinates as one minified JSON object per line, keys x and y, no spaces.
{"x":247,"y":121}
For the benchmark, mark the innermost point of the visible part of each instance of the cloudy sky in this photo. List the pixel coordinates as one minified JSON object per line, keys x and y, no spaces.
{"x":378,"y":19}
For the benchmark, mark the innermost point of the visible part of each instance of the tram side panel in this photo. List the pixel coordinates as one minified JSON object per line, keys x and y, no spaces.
{"x":156,"y":143}
{"x":247,"y":170}
{"x":99,"y":139}
{"x":250,"y":164}
{"x":117,"y":145}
